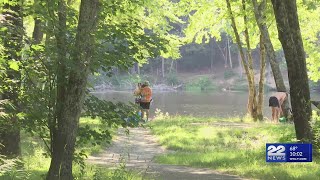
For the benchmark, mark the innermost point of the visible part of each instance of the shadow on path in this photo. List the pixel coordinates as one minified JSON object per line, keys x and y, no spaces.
{"x":138,"y":149}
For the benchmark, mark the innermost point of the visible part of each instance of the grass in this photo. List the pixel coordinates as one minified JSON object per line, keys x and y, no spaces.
{"x":229,"y":146}
{"x":36,"y":164}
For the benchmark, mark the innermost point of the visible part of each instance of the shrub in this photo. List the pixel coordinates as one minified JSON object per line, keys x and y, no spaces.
{"x":172,"y":79}
{"x":228,"y":74}
{"x":204,"y":83}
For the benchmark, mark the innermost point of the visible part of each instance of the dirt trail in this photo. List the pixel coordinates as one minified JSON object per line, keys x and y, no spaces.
{"x":138,"y":151}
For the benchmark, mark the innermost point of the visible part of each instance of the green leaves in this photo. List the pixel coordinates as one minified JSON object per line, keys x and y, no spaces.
{"x":14,"y":65}
{"x":310,"y":29}
{"x":113,"y":115}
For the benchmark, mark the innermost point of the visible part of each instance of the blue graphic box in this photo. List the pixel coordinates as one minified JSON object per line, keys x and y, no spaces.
{"x":282,"y":152}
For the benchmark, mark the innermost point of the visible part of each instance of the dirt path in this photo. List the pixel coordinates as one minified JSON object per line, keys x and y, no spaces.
{"x":138,"y":151}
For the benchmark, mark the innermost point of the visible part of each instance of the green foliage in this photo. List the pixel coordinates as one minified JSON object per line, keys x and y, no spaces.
{"x":229,"y":146}
{"x":172,"y":79}
{"x":210,"y":19}
{"x":201,"y":83}
{"x":36,"y":163}
{"x":316,"y":131}
{"x":122,"y":39}
{"x":228,"y":74}
{"x":310,"y":28}
{"x":12,"y":169}
{"x":204,"y":83}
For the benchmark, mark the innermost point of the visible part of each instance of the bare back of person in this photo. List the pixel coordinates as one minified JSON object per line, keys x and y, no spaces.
{"x":275,"y":102}
{"x":281,"y":96}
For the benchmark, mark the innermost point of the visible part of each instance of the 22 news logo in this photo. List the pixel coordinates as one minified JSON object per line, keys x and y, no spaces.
{"x":276,"y":153}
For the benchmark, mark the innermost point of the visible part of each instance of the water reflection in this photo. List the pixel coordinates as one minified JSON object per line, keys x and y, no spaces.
{"x":204,"y":104}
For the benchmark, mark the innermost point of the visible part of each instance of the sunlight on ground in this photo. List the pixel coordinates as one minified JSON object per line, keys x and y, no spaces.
{"x":228,"y":147}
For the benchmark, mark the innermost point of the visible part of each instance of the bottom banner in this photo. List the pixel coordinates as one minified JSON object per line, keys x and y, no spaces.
{"x":279,"y":152}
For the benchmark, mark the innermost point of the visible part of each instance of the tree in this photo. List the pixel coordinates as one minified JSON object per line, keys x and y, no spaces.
{"x":254,"y":98}
{"x":71,"y":86}
{"x":290,"y":37}
{"x":55,"y":71}
{"x":260,"y":16}
{"x":262,"y":79}
{"x":208,"y":19}
{"x":11,"y":38}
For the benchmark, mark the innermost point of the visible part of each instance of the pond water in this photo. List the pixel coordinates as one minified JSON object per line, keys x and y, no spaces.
{"x":199,"y":104}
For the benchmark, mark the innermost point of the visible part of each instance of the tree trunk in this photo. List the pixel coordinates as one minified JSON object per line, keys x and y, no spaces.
{"x":55,"y":126}
{"x":212,"y":54}
{"x":162,"y":67}
{"x":12,"y":42}
{"x":176,"y":66}
{"x":138,"y":68}
{"x":223,"y":55}
{"x":259,"y":14}
{"x":251,"y":107}
{"x":171,"y":66}
{"x":229,"y":53}
{"x":37,"y":33}
{"x":290,"y":38}
{"x":262,"y":79}
{"x":151,"y":67}
{"x":240,"y":65}
{"x":68,"y":117}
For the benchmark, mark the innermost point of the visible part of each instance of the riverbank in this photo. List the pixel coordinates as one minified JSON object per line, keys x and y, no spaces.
{"x":229,"y":81}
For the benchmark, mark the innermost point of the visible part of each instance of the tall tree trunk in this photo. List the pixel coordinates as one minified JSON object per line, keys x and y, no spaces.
{"x":138,"y":68}
{"x":260,"y":18}
{"x":251,"y":99}
{"x":212,"y":54}
{"x":12,"y":42}
{"x":37,"y":33}
{"x":57,"y":123}
{"x":176,"y":66}
{"x":151,"y":66}
{"x":252,"y":102}
{"x":162,"y":67}
{"x":240,"y":65}
{"x":171,"y":66}
{"x":68,"y":117}
{"x":290,"y":37}
{"x":226,"y":55}
{"x":229,"y":53}
{"x":223,"y":55}
{"x":262,"y":78}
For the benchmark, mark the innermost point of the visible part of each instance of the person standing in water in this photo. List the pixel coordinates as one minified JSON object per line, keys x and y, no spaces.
{"x":275,"y":102}
{"x":146,"y":98}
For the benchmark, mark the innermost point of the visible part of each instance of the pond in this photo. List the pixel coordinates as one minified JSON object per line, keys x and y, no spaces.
{"x":199,"y":104}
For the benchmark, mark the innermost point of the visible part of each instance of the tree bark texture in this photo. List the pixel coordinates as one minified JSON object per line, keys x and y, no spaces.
{"x":260,"y":19}
{"x":229,"y":54}
{"x":162,"y":67}
{"x":12,"y":42}
{"x":262,"y":78}
{"x":290,"y":37}
{"x":234,"y":27}
{"x":64,"y":135}
{"x":252,"y":101}
{"x":37,"y":34}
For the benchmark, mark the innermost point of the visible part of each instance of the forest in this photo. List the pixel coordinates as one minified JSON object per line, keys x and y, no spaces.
{"x":69,"y":68}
